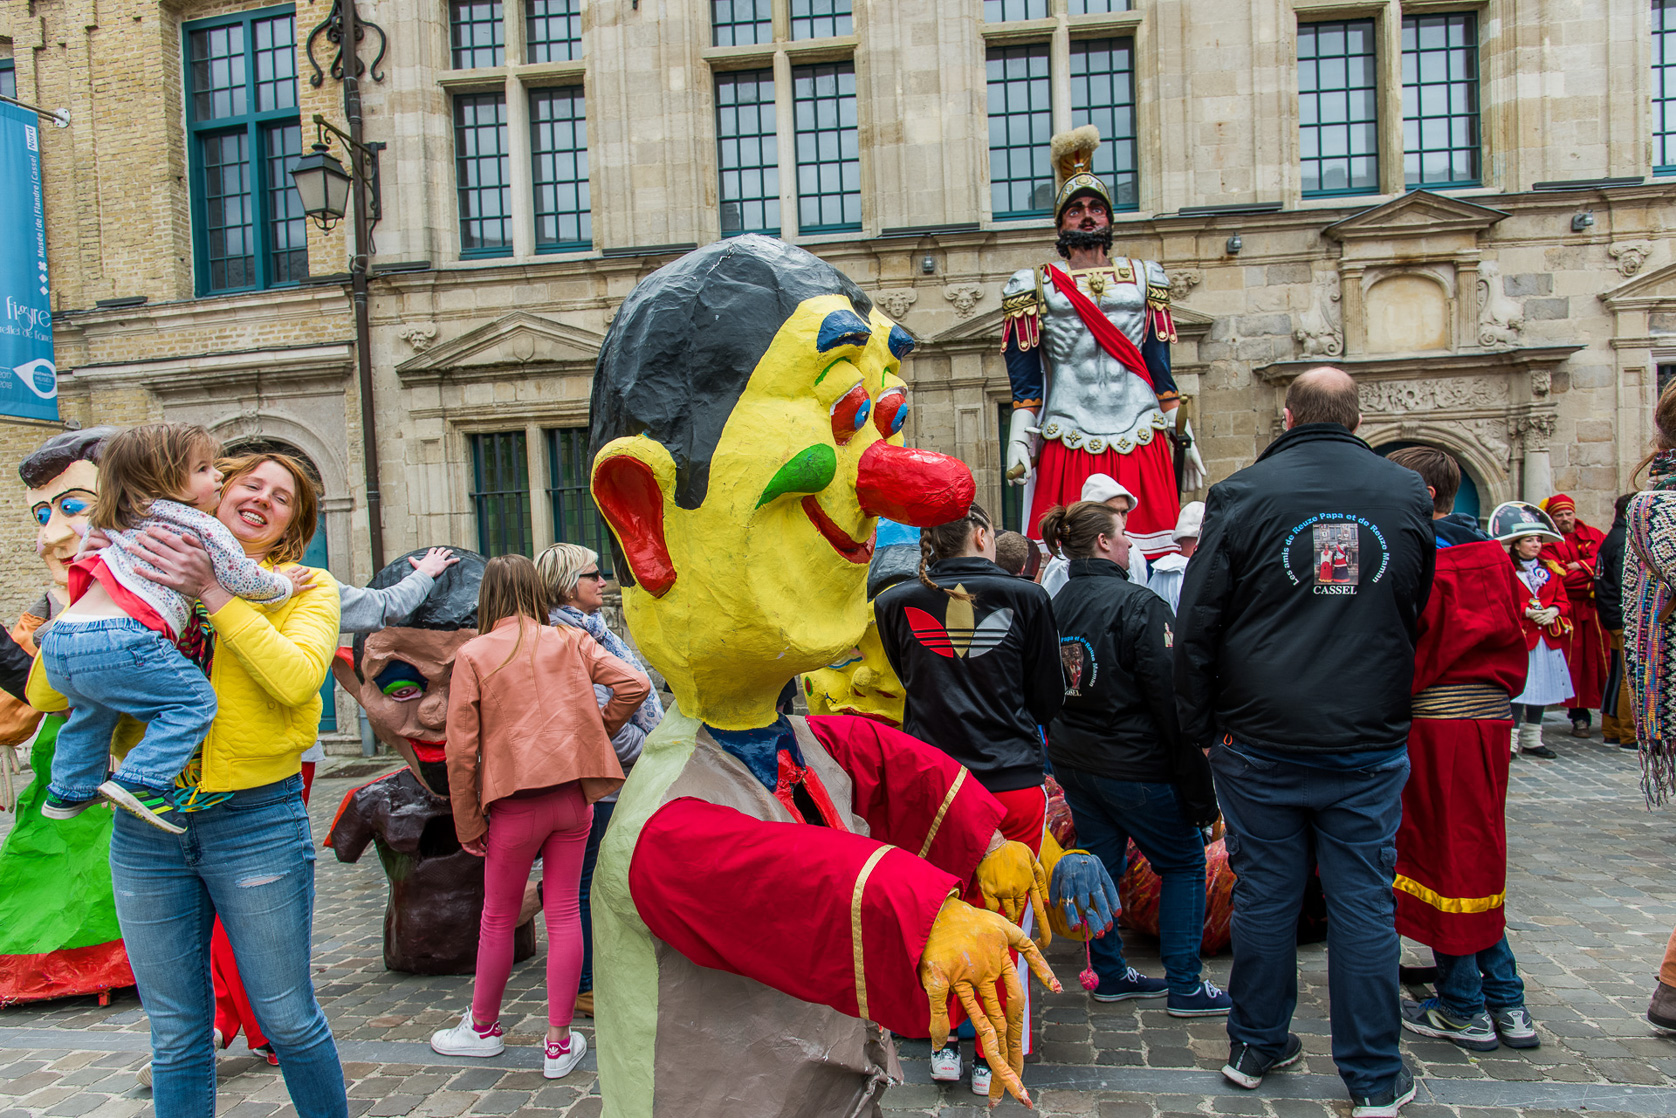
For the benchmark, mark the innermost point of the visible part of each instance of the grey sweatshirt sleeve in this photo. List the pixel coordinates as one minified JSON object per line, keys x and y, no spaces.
{"x":237,"y":573}
{"x":367,"y":611}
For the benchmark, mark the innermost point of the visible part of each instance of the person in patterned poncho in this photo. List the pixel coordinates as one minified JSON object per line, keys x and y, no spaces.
{"x":1650,"y":647}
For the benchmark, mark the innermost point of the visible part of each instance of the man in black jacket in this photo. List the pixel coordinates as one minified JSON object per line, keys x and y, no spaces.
{"x":1119,"y":754}
{"x":1295,"y":657}
{"x":1616,"y":723}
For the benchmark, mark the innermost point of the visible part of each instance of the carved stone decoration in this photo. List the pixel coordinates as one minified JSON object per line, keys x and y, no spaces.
{"x":1500,"y":318}
{"x":1542,"y":382}
{"x":1630,"y":255}
{"x":1491,"y":434}
{"x":419,"y":335}
{"x":896,"y":302}
{"x":1182,"y":280}
{"x":1431,"y":395}
{"x":1321,"y":328}
{"x":1533,"y":430}
{"x":965,"y":297}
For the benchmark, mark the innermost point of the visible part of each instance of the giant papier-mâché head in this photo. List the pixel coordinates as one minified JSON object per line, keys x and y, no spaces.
{"x":747,"y":411}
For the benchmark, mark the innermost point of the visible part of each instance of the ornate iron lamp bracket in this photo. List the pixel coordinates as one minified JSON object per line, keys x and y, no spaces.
{"x":332,"y":26}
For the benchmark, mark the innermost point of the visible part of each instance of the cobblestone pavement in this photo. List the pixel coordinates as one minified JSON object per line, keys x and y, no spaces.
{"x":1591,"y":902}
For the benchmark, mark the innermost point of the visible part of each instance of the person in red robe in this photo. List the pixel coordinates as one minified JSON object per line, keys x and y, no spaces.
{"x":1575,"y":559}
{"x":1451,"y":878}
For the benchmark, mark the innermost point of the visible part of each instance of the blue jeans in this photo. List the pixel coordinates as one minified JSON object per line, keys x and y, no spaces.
{"x":1108,"y":814}
{"x":1285,"y":819}
{"x":602,"y":818}
{"x":1468,"y":984}
{"x":114,"y":667}
{"x":249,"y":860}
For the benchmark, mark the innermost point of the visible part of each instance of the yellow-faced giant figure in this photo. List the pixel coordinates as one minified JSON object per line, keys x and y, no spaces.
{"x":746,"y":412}
{"x":861,"y":681}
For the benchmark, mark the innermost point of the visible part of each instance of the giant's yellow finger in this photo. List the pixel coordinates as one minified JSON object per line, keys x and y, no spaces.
{"x":1038,"y":904}
{"x":1010,"y":1053}
{"x":1033,"y":955}
{"x":937,"y":990}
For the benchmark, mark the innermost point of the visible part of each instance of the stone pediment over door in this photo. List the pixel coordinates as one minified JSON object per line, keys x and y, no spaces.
{"x":519,"y":344}
{"x":1410,"y":278}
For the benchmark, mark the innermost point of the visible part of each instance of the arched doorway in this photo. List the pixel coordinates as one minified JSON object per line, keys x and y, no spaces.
{"x":1466,"y":497}
{"x":315,"y":556}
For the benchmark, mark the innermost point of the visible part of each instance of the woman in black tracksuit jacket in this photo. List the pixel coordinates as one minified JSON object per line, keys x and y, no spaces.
{"x":1118,"y":751}
{"x":978,"y":657}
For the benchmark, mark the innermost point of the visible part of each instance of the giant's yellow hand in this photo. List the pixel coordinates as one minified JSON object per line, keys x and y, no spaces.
{"x":967,"y":953}
{"x":1010,"y":877}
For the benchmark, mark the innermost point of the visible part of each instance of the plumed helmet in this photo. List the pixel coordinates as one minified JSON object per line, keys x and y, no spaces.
{"x":1514,"y":520}
{"x":1073,"y":166}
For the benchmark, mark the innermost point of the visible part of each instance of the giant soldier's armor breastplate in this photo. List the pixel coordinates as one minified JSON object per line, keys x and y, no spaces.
{"x":1093,"y":402}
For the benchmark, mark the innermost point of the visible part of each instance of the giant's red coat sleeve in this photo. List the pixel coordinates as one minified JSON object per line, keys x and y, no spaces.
{"x":912,"y":795}
{"x":777,"y":902}
{"x":1472,"y":629}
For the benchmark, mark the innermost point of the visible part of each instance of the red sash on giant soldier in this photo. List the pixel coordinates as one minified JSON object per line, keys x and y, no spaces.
{"x":1111,"y":339}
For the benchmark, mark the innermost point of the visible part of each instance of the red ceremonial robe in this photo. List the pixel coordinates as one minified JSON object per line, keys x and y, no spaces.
{"x":1470,"y":659}
{"x":1588,"y":655}
{"x":819,"y":894}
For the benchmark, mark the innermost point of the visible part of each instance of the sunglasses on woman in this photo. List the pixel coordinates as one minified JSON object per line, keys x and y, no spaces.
{"x":593,"y":574}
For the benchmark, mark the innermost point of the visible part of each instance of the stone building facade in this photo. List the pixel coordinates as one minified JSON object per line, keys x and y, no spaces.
{"x":545,"y":155}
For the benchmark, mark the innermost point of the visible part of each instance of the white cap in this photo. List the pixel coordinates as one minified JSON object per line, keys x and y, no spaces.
{"x":1191,"y":520}
{"x":1103,"y":487}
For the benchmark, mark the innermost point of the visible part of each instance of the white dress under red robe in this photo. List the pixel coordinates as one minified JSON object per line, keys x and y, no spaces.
{"x":749,"y":960}
{"x":1588,"y":654}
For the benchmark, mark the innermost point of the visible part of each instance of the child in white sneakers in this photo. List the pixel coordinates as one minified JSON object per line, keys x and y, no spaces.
{"x":112,"y":652}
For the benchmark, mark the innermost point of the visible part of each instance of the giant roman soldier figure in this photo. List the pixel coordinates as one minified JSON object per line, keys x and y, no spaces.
{"x":1088,"y":354}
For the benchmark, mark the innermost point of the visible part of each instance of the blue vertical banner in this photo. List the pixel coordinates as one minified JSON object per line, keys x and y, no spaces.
{"x":29,"y":389}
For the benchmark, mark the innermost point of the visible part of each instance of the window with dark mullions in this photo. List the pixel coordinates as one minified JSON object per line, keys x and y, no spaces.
{"x":747,"y":153}
{"x":1441,"y":144}
{"x":739,"y":23}
{"x":8,"y":78}
{"x":501,"y":493}
{"x":559,"y":164}
{"x":1338,"y":107}
{"x":478,"y":34}
{"x":1097,"y":7}
{"x":576,"y":518}
{"x":1664,"y":87}
{"x":244,"y":138}
{"x":553,"y":30}
{"x":1002,"y":11}
{"x":828,"y":151}
{"x":820,"y":19}
{"x":481,"y":174}
{"x":1103,"y":94}
{"x":1020,"y":126}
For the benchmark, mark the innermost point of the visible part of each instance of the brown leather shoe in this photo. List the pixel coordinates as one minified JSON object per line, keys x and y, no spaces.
{"x":1662,"y":1010}
{"x":1579,"y":729}
{"x":585,"y":1004}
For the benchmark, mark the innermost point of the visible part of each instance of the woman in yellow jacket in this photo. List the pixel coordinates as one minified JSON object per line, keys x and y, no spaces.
{"x":249,"y":856}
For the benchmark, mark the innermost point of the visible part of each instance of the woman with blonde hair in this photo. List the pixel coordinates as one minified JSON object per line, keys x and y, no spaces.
{"x":248,"y":857}
{"x":576,"y":591}
{"x":528,"y":754}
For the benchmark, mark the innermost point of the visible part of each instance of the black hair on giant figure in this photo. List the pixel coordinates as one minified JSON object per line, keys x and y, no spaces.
{"x":451,"y":604}
{"x":684,"y":343}
{"x":54,"y":456}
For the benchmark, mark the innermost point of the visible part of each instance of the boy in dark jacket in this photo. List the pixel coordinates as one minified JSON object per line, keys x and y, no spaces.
{"x":1118,"y":752}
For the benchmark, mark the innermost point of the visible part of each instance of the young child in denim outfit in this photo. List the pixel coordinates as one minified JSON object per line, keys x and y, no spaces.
{"x":112,"y":652}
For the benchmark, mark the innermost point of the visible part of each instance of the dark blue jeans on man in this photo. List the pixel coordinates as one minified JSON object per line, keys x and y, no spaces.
{"x":1467,"y":985}
{"x":1111,"y":812}
{"x":1286,"y":819}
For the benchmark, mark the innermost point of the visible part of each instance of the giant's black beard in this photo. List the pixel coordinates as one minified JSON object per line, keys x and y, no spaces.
{"x":1076,"y":239}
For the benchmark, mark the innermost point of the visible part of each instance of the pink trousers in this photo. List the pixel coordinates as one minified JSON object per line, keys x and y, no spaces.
{"x":554,"y":827}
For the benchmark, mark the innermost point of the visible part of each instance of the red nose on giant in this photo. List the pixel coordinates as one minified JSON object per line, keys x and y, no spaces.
{"x":920,"y":488}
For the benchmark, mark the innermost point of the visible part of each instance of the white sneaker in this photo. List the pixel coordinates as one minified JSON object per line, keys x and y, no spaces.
{"x":464,"y":1040}
{"x":143,"y":1075}
{"x":945,"y":1064}
{"x":557,"y":1064}
{"x":981,"y":1076}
